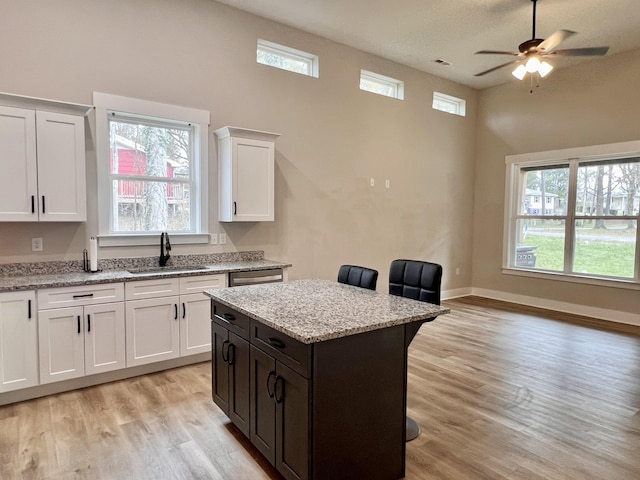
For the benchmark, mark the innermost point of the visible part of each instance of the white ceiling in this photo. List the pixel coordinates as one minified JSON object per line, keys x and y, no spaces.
{"x":417,"y":32}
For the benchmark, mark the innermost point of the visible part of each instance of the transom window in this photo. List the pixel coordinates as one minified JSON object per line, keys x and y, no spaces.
{"x":577,"y":216}
{"x":152,"y":171}
{"x":287,"y":58}
{"x":449,"y":104}
{"x":381,"y":85}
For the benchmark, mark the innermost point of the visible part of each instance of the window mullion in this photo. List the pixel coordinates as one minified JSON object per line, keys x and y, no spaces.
{"x":570,"y":224}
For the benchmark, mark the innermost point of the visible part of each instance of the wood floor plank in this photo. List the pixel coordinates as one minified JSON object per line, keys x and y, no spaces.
{"x":501,"y":392}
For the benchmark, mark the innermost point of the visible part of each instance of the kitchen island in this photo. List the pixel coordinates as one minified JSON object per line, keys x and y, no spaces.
{"x":314,"y":372}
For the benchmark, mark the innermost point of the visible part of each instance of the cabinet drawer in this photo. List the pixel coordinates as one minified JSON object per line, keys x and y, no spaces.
{"x":161,"y":287}
{"x":83,"y":295}
{"x":294,"y":354}
{"x":202,"y":282}
{"x":231,"y":319}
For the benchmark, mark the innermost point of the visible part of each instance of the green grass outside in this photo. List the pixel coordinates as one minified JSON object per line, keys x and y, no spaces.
{"x":594,"y":257}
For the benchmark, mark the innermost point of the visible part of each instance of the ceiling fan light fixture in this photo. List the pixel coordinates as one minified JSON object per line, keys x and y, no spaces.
{"x":544,"y":69}
{"x":519,"y":72}
{"x":532,"y":65}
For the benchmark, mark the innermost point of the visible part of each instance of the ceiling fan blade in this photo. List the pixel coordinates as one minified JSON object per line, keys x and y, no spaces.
{"x":497,"y":52}
{"x":496,"y":68}
{"x":580,"y":52}
{"x":555,"y":39}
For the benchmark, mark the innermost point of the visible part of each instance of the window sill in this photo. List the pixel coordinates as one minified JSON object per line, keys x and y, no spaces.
{"x":152,"y":239}
{"x":582,"y":279}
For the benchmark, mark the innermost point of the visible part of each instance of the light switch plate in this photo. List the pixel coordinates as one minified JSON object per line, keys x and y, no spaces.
{"x":223,"y":238}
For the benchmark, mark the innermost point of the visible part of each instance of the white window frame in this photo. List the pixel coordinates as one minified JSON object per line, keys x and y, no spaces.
{"x":396,"y":85}
{"x":458,"y":105}
{"x":289,"y":53}
{"x":200,"y":119}
{"x":571,"y":157}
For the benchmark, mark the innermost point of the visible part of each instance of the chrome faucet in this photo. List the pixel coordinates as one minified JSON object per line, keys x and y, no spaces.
{"x":165,"y":248}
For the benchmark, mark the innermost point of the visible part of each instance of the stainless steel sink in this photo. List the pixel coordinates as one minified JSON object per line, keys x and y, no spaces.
{"x":153,"y":270}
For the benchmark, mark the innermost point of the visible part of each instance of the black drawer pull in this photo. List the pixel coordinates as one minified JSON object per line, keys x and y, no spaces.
{"x":175,"y":311}
{"x":33,"y":204}
{"x":29,"y":309}
{"x":184,"y":310}
{"x":86,"y":295}
{"x":275,"y":342}
{"x":89,"y":323}
{"x":229,"y":316}
{"x":43,"y":209}
{"x":78,"y":324}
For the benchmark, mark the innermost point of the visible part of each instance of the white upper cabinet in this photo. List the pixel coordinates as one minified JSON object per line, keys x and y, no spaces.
{"x":43,"y":160}
{"x":246,"y":168}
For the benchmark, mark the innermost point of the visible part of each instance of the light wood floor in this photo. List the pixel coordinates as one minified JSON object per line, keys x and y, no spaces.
{"x":501,"y":392}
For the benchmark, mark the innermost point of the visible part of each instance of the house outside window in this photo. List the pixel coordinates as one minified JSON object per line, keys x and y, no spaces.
{"x":152,"y":171}
{"x":574,"y":213}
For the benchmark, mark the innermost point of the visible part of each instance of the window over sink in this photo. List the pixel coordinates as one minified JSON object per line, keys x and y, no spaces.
{"x":152,"y":171}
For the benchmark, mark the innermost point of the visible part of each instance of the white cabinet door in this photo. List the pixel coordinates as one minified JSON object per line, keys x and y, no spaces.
{"x":152,"y":330}
{"x":195,"y":324}
{"x":18,"y":341}
{"x":61,"y":167}
{"x":19,"y":191}
{"x":104,"y":340}
{"x":246,"y":168}
{"x":61,"y":344}
{"x":253,"y":180}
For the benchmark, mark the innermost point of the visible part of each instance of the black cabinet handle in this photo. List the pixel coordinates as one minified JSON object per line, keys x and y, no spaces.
{"x":86,"y":295}
{"x":276,"y":342}
{"x":184,"y":310}
{"x":231,"y":354}
{"x":235,"y":208}
{"x":43,"y":209}
{"x":175,"y":311}
{"x":29,"y":309}
{"x":78,"y":324}
{"x":33,"y":204}
{"x":228,"y":316}
{"x":88,"y":323}
{"x":271,"y":375}
{"x":279,"y":381}
{"x":225,"y":356}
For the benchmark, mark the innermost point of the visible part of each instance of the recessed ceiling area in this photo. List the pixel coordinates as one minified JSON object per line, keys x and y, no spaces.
{"x":419,"y":32}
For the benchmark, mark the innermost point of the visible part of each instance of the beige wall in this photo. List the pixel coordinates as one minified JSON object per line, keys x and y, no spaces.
{"x":201,"y":54}
{"x":589,"y":104}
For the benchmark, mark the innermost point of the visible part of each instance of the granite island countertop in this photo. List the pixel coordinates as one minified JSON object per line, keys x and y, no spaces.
{"x":313,"y":311}
{"x":69,"y":279}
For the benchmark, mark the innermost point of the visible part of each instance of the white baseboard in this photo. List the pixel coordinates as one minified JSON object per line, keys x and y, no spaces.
{"x":583,"y":310}
{"x":458,"y":292}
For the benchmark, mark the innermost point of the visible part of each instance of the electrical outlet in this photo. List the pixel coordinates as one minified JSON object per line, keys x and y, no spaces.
{"x":36,"y":244}
{"x":223,"y":238}
{"x":372,"y":182}
{"x":458,"y":271}
{"x":387,"y":183}
{"x":213,"y":239}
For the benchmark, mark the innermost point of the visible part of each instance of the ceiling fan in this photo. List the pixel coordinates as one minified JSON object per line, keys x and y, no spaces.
{"x":532,"y":52}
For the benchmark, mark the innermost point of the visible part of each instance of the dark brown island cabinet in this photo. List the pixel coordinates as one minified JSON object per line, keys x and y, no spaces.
{"x":333,"y":409}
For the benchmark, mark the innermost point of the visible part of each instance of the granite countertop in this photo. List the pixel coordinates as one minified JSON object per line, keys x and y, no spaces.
{"x":70,"y":279}
{"x":317,"y":310}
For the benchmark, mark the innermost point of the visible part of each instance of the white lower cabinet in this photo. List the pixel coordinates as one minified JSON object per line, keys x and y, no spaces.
{"x":169,"y":318}
{"x":83,"y":339}
{"x":18,"y":341}
{"x":153,"y":330}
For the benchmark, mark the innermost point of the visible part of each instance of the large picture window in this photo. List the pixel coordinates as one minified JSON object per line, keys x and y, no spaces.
{"x":576,"y":216}
{"x":152,"y":164}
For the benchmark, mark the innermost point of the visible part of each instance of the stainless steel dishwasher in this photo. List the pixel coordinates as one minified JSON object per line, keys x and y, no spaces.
{"x":255,"y":277}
